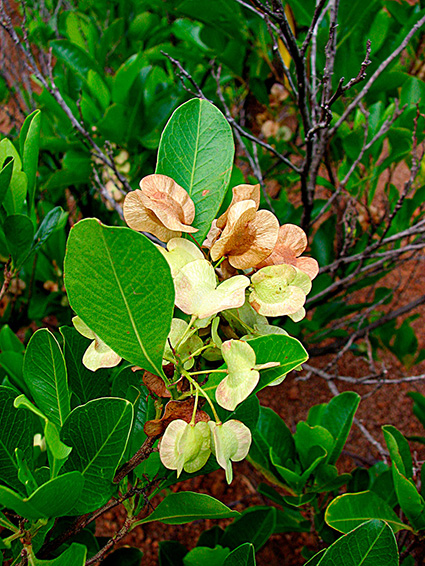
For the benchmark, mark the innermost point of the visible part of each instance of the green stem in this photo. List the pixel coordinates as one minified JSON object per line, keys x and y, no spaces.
{"x":209,"y":371}
{"x":219,"y":261}
{"x":4,"y":522}
{"x":195,"y":406}
{"x":202,"y":392}
{"x":184,"y":335}
{"x":196,"y":353}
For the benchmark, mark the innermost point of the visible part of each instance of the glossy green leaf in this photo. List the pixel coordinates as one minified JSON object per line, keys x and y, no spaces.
{"x":399,"y":450}
{"x":307,"y":437}
{"x":371,"y":544}
{"x":74,"y":555}
{"x":186,"y":506}
{"x":74,"y":57}
{"x":12,"y":363}
{"x":19,"y":232}
{"x":298,"y":480}
{"x":121,"y":286}
{"x":337,"y":417}
{"x":255,"y":525}
{"x":125,"y":77}
{"x":244,"y":555}
{"x":201,"y":555}
{"x":350,"y":510}
{"x":409,"y":499}
{"x":197,"y":150}
{"x":45,"y":376}
{"x":9,"y":341}
{"x":16,"y":431}
{"x":47,"y":227}
{"x":29,"y":141}
{"x":98,"y":433}
{"x":51,"y":432}
{"x":85,"y":384}
{"x":15,"y":195}
{"x":6,"y":172}
{"x":271,"y":432}
{"x":54,"y":498}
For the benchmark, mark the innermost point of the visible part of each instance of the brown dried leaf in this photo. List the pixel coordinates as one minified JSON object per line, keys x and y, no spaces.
{"x":173,"y":410}
{"x":155,"y":384}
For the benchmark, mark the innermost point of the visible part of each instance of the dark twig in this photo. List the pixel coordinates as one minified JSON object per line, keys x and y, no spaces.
{"x":376,"y":74}
{"x":141,"y":454}
{"x":99,"y":556}
{"x":183,"y":74}
{"x":316,"y":15}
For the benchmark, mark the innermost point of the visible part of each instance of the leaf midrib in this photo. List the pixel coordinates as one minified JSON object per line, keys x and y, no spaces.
{"x":133,"y":324}
{"x":106,"y":440}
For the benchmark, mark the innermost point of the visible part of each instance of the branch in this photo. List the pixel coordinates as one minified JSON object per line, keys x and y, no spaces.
{"x":142,"y":454}
{"x":376,"y":74}
{"x":183,"y":74}
{"x":317,"y":12}
{"x":99,"y":556}
{"x":338,"y":343}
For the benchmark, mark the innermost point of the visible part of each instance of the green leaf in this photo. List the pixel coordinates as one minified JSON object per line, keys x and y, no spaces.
{"x":5,"y":177}
{"x":350,"y":510}
{"x":370,"y":544}
{"x":12,"y":363}
{"x":255,"y":525}
{"x":9,"y":342}
{"x":306,"y":438}
{"x":84,"y":383}
{"x":125,"y":77}
{"x":337,"y":417}
{"x":202,"y":555}
{"x":410,"y":501}
{"x":54,"y":498}
{"x":16,"y":431}
{"x":45,"y":376}
{"x":399,"y":450}
{"x":186,"y":506}
{"x":121,"y":286}
{"x":15,"y":195}
{"x":244,"y":555}
{"x":98,"y":433}
{"x":29,"y":142}
{"x":75,"y":58}
{"x":197,"y":150}
{"x":19,"y":232}
{"x":271,"y":432}
{"x":74,"y":555}
{"x":47,"y":227}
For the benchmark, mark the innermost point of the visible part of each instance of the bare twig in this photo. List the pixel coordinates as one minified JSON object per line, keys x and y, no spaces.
{"x":183,"y":74}
{"x":376,"y":74}
{"x":99,"y":556}
{"x":316,"y":15}
{"x":141,"y":454}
